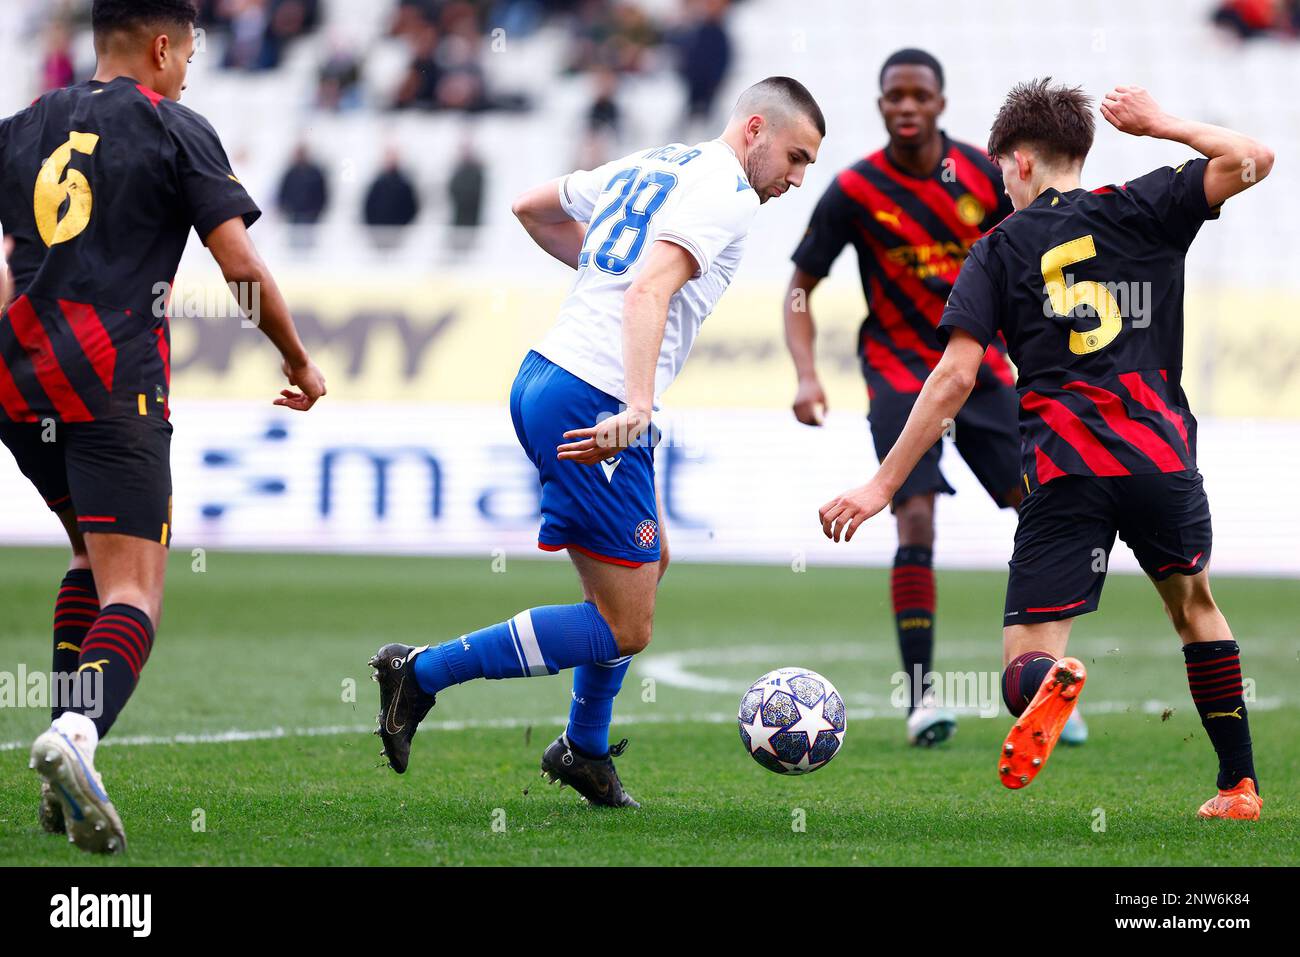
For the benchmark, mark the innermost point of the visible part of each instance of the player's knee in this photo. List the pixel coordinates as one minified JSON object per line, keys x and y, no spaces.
{"x":632,"y":637}
{"x":915,"y":519}
{"x":1189,"y":607}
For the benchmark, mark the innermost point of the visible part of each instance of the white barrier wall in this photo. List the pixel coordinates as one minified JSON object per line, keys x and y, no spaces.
{"x":737,"y":485}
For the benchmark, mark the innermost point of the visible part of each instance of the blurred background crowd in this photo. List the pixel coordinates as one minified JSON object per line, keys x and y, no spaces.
{"x":429,"y":56}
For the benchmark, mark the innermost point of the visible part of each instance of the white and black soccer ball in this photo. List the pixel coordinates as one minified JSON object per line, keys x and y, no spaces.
{"x":792,"y":721}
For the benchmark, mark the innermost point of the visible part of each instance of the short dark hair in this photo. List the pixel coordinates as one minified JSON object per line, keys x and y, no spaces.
{"x":116,"y":16}
{"x":1056,"y":121}
{"x":788,"y":92}
{"x":911,"y":56}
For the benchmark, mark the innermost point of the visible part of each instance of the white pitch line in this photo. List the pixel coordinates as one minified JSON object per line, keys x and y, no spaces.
{"x":709,"y":717}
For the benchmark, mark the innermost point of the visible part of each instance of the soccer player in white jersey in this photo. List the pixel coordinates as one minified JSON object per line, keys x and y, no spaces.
{"x":656,"y":238}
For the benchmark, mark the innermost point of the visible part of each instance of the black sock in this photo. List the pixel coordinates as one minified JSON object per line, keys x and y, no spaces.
{"x":1023,"y":677}
{"x":911,"y":586}
{"x":112,"y":655}
{"x":75,"y":611}
{"x":1214,"y":676}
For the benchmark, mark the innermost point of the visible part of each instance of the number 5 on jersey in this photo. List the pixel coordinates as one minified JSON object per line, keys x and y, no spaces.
{"x":1066,"y":298}
{"x":54,"y":188}
{"x":619,"y":243}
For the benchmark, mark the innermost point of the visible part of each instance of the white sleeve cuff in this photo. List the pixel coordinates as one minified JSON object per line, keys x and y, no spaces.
{"x":701,"y":260}
{"x":565,"y":202}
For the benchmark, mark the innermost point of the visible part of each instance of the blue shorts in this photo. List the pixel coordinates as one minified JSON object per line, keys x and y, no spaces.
{"x":606,"y":511}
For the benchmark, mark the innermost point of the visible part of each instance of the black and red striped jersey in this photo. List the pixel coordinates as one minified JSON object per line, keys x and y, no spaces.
{"x":100,"y":184}
{"x":911,"y":235}
{"x":1087,"y":289}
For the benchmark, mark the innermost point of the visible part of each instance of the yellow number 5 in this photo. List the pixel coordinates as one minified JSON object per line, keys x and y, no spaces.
{"x":1066,"y":298}
{"x":54,"y":188}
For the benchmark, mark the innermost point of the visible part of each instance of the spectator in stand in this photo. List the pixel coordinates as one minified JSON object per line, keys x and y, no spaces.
{"x":57,"y":70}
{"x":391,"y":202}
{"x":302,"y":196}
{"x":465,"y":190}
{"x":419,"y":88}
{"x":618,"y":35}
{"x":446,"y":72}
{"x":604,"y":121}
{"x":339,"y":84}
{"x":261,"y":30}
{"x":704,"y":57}
{"x":248,"y":21}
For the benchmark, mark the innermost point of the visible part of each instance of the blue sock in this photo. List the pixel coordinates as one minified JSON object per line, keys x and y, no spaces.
{"x":540,"y":641}
{"x":594,"y":689}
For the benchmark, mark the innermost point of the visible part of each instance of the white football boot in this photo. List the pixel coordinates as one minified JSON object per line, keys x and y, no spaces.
{"x":928,"y":726}
{"x":64,"y":757}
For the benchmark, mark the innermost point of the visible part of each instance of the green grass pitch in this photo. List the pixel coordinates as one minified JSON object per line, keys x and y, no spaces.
{"x":245,"y":744}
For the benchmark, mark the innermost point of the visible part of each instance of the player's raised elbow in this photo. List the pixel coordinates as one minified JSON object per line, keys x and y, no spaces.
{"x":521,"y":208}
{"x":539,"y":205}
{"x":1259,"y":160}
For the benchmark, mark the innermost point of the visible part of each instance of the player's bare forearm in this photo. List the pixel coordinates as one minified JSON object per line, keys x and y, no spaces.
{"x":668,"y":267}
{"x":800,"y":329}
{"x":6,"y":279}
{"x":944,"y":393}
{"x":544,"y":219}
{"x":243,"y":267}
{"x":560,"y":240}
{"x":1237,"y":161}
{"x":810,"y":403}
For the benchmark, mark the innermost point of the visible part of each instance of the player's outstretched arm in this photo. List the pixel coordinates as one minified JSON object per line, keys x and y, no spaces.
{"x":667,"y":268}
{"x":234,"y":252}
{"x":540,"y":213}
{"x":1237,"y":162}
{"x":944,"y":393}
{"x":800,"y":335}
{"x":6,"y":279}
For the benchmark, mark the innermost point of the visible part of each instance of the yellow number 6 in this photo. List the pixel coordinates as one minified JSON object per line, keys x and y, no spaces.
{"x":1066,"y":298}
{"x":53,"y":188}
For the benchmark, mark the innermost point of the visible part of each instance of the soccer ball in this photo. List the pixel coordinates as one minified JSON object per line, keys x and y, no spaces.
{"x":792,"y":721}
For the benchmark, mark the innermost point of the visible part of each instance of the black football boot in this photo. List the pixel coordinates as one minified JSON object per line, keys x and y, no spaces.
{"x":402,"y":703}
{"x":594,"y":778}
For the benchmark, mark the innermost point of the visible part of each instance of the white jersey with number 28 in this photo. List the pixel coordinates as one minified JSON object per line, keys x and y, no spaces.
{"x":695,"y":196}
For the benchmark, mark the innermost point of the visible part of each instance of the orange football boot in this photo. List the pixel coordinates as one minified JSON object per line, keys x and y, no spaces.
{"x":1030,"y":742}
{"x":1241,"y":803}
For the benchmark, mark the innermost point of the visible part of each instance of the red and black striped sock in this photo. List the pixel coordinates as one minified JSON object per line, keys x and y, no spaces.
{"x":1022,"y":678}
{"x":112,"y":655}
{"x":75,"y":611}
{"x":1214,"y":676}
{"x":911,"y":586}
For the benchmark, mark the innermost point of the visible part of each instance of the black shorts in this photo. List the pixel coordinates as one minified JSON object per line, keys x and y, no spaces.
{"x":986,"y":433}
{"x":1068,"y":526}
{"x":115,"y":472}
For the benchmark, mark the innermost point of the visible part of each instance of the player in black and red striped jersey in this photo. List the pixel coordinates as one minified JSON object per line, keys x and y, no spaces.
{"x":100,"y":185}
{"x":911,"y":211}
{"x":1087,"y":288}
